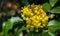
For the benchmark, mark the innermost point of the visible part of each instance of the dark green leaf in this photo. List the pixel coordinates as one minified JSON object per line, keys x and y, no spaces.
{"x":23,"y":2}
{"x":56,"y":10}
{"x":20,"y":30}
{"x":9,"y":24}
{"x":53,"y":25}
{"x":52,"y":2}
{"x":47,"y":33}
{"x":33,"y":34}
{"x":46,"y":7}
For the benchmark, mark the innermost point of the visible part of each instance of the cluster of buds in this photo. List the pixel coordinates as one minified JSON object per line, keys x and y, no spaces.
{"x":35,"y":17}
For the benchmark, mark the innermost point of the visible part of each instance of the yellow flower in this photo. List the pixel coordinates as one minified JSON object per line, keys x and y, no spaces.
{"x":34,"y":16}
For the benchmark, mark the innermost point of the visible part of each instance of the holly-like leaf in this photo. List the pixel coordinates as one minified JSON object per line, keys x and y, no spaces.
{"x":46,"y":7}
{"x":56,"y":10}
{"x":52,"y":2}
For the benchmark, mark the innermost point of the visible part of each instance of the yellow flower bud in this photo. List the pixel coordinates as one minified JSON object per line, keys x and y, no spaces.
{"x":28,"y":26}
{"x":46,"y":18}
{"x":31,"y":29}
{"x":32,"y":26}
{"x":27,"y":19}
{"x":44,"y":24}
{"x":36,"y":30}
{"x":41,"y":26}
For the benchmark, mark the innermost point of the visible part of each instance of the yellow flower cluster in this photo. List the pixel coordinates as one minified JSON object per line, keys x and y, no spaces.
{"x":34,"y":16}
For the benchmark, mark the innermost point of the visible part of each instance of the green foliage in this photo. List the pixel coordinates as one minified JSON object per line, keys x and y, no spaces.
{"x":45,"y":33}
{"x":52,"y":2}
{"x":46,"y":7}
{"x":33,"y":34}
{"x":55,"y":10}
{"x":9,"y":25}
{"x":53,"y":25}
{"x":20,"y":30}
{"x":23,"y":2}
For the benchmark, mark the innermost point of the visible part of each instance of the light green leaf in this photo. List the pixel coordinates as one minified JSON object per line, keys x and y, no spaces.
{"x":56,"y":10}
{"x":52,"y":2}
{"x":51,"y":34}
{"x":20,"y":30}
{"x":1,"y":33}
{"x":9,"y":24}
{"x":46,"y":7}
{"x":16,"y":19}
{"x":53,"y":25}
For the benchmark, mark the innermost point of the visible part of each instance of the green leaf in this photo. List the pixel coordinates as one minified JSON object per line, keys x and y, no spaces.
{"x":1,"y":33}
{"x":20,"y":30}
{"x":9,"y":24}
{"x":52,"y":2}
{"x":46,"y":7}
{"x":47,"y":33}
{"x":53,"y":25}
{"x":16,"y":19}
{"x":33,"y":34}
{"x":56,"y":10}
{"x":23,"y":2}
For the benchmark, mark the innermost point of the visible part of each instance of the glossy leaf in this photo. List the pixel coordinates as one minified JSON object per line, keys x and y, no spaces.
{"x":9,"y":24}
{"x":16,"y":19}
{"x":47,"y":33}
{"x":20,"y":30}
{"x":56,"y":10}
{"x":52,"y":2}
{"x":53,"y":25}
{"x":46,"y":7}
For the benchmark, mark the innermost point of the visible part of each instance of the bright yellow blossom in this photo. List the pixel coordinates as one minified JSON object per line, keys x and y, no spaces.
{"x":34,"y":16}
